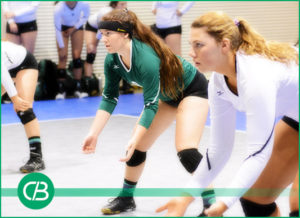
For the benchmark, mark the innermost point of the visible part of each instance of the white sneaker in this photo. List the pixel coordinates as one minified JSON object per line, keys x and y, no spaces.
{"x":60,"y":96}
{"x":79,"y":94}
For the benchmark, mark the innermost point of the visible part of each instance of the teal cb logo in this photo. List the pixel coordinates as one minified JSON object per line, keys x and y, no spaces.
{"x":35,"y":191}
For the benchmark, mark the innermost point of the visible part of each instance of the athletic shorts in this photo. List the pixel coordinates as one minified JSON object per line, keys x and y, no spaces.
{"x":64,"y":27}
{"x":292,"y":123}
{"x":23,"y":27}
{"x":198,"y":87}
{"x":163,"y":33}
{"x":88,"y":27}
{"x":28,"y":63}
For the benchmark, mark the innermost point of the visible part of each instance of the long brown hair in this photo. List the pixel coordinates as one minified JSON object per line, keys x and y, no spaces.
{"x":171,"y":71}
{"x":242,"y":36}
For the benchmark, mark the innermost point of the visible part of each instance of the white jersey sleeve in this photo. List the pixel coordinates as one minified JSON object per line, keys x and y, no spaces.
{"x":58,"y":10}
{"x":7,"y":81}
{"x":23,"y":11}
{"x":223,"y":116}
{"x":85,"y":15}
{"x":31,"y":8}
{"x":186,"y":7}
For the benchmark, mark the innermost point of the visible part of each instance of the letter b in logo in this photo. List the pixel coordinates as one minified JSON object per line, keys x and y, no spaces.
{"x":35,"y":191}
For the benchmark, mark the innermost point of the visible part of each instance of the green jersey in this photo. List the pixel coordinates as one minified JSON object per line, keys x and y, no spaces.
{"x":144,"y":71}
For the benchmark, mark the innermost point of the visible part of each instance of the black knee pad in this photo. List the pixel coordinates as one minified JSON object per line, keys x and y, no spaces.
{"x":294,"y":213}
{"x":190,"y":159}
{"x":137,"y":158}
{"x":77,"y":63}
{"x":26,"y":116}
{"x":257,"y":210}
{"x":90,"y":58}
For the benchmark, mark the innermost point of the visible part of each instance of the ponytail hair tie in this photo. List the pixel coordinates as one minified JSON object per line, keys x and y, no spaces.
{"x":236,"y":22}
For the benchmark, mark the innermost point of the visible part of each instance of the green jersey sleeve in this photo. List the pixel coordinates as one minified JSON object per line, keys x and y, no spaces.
{"x":110,"y":93}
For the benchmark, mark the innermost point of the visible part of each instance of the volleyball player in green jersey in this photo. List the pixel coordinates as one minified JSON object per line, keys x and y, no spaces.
{"x":172,"y":89}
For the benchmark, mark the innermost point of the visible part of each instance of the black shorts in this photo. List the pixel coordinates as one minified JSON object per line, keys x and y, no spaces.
{"x":163,"y":33}
{"x":23,"y":27}
{"x":64,"y":27}
{"x":198,"y":87}
{"x":88,"y":27}
{"x":28,"y":63}
{"x":292,"y":123}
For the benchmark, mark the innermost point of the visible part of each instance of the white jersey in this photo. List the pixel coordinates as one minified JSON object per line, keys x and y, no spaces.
{"x":96,"y":18}
{"x":76,"y":17}
{"x":266,"y":91}
{"x":12,"y":55}
{"x":25,"y":11}
{"x":166,"y":15}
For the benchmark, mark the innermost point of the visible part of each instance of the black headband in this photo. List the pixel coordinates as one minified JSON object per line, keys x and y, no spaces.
{"x":116,"y":26}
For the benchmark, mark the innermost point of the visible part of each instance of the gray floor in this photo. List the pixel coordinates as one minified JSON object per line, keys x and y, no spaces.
{"x":68,"y":167}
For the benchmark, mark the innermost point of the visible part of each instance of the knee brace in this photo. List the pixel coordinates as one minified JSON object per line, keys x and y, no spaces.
{"x":77,"y":63}
{"x":257,"y":210}
{"x":26,"y":116}
{"x":137,"y":158}
{"x":294,"y":213}
{"x":90,"y":58}
{"x":190,"y":159}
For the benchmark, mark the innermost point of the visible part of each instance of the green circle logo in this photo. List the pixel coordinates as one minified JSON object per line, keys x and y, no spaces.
{"x":35,"y":191}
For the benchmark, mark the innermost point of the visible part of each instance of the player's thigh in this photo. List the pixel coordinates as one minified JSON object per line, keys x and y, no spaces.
{"x":282,"y":167}
{"x":164,"y":117}
{"x":190,"y":122}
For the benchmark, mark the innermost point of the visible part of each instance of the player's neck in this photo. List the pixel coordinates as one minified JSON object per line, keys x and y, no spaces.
{"x":125,"y":53}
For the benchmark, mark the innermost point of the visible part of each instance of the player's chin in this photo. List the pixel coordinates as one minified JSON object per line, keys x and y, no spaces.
{"x":110,"y":50}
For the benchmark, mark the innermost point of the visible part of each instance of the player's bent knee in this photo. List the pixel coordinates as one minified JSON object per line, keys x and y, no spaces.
{"x":257,"y":210}
{"x":77,"y":63}
{"x":190,"y":159}
{"x":137,"y":158}
{"x":90,"y":58}
{"x":26,"y":116}
{"x":294,"y":213}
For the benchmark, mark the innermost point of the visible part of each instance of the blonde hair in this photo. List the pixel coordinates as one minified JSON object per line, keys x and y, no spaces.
{"x":243,"y":37}
{"x":171,"y":70}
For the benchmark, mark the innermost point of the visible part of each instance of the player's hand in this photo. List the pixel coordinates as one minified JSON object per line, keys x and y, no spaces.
{"x":216,"y":210}
{"x":13,"y":27}
{"x":89,"y":144}
{"x":129,"y":151}
{"x":179,"y":14}
{"x":20,"y":104}
{"x":176,"y":206}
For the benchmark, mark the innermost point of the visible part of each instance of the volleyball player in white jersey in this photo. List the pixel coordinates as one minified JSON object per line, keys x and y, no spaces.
{"x":168,"y":22}
{"x":92,"y":35}
{"x":69,"y":18}
{"x":262,"y":79}
{"x":22,"y":66}
{"x":21,"y":27}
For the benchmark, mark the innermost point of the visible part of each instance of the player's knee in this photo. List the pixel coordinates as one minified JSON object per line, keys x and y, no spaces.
{"x":190,"y":159}
{"x":257,"y":210}
{"x":26,"y":116}
{"x":137,"y":158}
{"x":294,"y":213}
{"x":77,"y":63}
{"x":90,"y":58}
